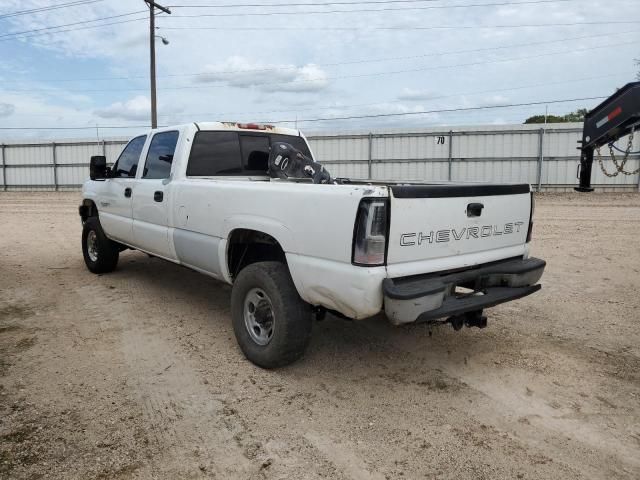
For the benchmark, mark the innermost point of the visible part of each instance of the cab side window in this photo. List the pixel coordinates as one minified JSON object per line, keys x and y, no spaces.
{"x":160,"y":155}
{"x":127,"y":163}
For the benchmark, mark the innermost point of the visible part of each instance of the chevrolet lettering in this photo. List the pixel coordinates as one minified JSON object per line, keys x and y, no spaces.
{"x":464,"y":233}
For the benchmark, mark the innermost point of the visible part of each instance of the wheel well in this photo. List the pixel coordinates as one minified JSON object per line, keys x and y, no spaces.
{"x":250,"y":246}
{"x":88,"y":209}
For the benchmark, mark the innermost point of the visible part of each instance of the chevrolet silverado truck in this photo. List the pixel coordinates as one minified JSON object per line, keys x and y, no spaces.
{"x":200,"y":195}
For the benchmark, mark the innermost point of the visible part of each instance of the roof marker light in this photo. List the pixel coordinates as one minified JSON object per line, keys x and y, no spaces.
{"x":254,"y":126}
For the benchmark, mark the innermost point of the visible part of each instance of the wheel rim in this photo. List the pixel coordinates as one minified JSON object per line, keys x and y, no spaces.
{"x":259,"y":318}
{"x":92,"y":246}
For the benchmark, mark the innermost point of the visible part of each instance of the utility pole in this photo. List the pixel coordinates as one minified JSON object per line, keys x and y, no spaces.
{"x":152,"y":51}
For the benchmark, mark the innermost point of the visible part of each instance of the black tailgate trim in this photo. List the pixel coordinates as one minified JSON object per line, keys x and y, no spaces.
{"x":443,"y":191}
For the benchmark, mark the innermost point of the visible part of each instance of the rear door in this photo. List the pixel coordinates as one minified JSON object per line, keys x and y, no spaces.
{"x":115,"y":203}
{"x":151,"y":200}
{"x":441,"y":227}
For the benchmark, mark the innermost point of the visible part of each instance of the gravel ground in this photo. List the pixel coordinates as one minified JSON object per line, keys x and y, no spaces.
{"x":136,"y":374}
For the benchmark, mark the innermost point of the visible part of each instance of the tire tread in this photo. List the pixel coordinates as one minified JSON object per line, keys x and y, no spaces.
{"x":293,"y":315}
{"x":108,"y":251}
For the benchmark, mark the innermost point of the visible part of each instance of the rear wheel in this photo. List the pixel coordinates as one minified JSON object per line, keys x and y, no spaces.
{"x":100,"y":253}
{"x":271,"y":322}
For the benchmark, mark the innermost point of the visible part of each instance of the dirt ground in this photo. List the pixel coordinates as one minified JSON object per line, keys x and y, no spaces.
{"x":136,"y":374}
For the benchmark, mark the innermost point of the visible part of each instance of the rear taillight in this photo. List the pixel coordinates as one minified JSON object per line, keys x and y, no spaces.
{"x":533,"y":207}
{"x":370,"y":233}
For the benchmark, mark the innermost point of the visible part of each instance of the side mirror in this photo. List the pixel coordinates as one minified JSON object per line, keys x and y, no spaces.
{"x":98,"y":167}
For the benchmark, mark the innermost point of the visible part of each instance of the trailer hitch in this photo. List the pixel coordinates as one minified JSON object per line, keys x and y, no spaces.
{"x":614,"y":118}
{"x":468,"y":319}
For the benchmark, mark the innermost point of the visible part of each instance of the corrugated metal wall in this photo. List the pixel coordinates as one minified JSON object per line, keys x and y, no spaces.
{"x":51,"y":166}
{"x":522,"y":153}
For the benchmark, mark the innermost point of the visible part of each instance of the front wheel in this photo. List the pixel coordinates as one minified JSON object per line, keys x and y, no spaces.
{"x":100,"y":253}
{"x":271,"y":322}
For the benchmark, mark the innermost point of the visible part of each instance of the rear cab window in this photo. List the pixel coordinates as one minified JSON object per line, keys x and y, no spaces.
{"x":255,"y":153}
{"x":214,"y":153}
{"x":228,"y":153}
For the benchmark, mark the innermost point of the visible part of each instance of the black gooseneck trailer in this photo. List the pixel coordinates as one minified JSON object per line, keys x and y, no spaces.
{"x":614,"y":118}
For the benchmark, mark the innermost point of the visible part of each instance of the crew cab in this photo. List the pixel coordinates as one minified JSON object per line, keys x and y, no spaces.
{"x":199,"y":195}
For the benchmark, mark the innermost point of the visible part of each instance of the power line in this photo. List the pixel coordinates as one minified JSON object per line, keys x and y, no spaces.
{"x":74,"y":29}
{"x":72,"y":24}
{"x":49,"y":8}
{"x":341,"y":77}
{"x":406,"y":28}
{"x":91,"y":127}
{"x":417,"y":56}
{"x":81,"y":2}
{"x":444,"y":110}
{"x":45,"y":30}
{"x":361,"y":10}
{"x":429,"y":99}
{"x":351,"y":117}
{"x":390,"y":102}
{"x":333,"y":64}
{"x":319,"y":4}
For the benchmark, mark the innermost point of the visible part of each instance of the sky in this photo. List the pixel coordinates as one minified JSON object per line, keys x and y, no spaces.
{"x":307,"y":63}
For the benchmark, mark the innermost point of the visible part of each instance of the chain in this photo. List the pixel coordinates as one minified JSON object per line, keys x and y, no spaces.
{"x":619,"y":167}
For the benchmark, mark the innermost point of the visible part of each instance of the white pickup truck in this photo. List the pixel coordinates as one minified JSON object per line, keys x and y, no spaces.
{"x":199,"y":195}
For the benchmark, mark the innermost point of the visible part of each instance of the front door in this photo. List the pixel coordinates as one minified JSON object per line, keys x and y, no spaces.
{"x":115,"y":204}
{"x":151,"y":201}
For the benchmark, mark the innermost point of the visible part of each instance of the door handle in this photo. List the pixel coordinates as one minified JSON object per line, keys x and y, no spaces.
{"x":474,"y":209}
{"x":127,"y":192}
{"x":158,"y":196}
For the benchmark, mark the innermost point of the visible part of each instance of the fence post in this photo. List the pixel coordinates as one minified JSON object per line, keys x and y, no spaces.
{"x":104,"y":148}
{"x":638,"y":174}
{"x":55,"y":166}
{"x":450,"y":155}
{"x":4,"y":170}
{"x":370,"y":154}
{"x":540,"y":156}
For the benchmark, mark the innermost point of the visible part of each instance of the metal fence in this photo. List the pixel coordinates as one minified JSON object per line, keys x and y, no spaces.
{"x":545,"y":157}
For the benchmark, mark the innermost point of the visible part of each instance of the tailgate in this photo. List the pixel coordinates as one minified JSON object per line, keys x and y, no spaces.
{"x":453,"y":226}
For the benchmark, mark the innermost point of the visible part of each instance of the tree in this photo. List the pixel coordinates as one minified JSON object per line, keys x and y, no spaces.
{"x":577,"y":116}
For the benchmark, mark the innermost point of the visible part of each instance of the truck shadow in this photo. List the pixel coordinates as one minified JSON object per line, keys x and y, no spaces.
{"x":336,"y":344}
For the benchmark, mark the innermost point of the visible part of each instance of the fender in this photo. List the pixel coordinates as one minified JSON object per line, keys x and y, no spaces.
{"x":279,"y":231}
{"x":272,"y":227}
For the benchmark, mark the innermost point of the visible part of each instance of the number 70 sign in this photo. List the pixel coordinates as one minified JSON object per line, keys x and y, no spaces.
{"x":440,"y":140}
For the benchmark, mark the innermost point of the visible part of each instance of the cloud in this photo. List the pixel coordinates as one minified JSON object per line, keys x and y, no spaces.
{"x":413,"y":95}
{"x":492,"y":101}
{"x":242,"y":73}
{"x":138,"y":108}
{"x":7,"y":109}
{"x":296,"y":73}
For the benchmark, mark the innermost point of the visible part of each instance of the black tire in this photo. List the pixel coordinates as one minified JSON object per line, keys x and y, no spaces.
{"x":104,"y":257}
{"x":290,"y":320}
